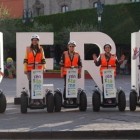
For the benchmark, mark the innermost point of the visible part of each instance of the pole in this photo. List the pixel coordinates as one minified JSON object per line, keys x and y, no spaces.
{"x":99,"y":13}
{"x":99,"y":22}
{"x":27,"y":5}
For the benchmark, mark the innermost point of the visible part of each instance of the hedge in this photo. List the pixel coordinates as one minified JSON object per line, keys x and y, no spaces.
{"x":118,"y":21}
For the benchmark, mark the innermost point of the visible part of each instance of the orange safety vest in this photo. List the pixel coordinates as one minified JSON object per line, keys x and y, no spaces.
{"x":34,"y":61}
{"x":110,"y":64}
{"x":68,"y":62}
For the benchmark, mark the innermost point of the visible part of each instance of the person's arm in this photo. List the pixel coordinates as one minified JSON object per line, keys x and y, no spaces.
{"x":25,"y":62}
{"x":135,"y":56}
{"x":98,"y":62}
{"x":79,"y":62}
{"x":43,"y":60}
{"x":117,"y":61}
{"x":79,"y":66}
{"x":136,"y":53}
{"x":62,"y":64}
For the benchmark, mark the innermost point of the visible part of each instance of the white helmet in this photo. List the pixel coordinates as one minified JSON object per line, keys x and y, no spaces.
{"x":72,"y":42}
{"x":107,"y":44}
{"x":35,"y":36}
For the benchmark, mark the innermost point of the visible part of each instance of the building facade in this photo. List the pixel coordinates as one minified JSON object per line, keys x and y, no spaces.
{"x":48,"y":7}
{"x":14,"y":7}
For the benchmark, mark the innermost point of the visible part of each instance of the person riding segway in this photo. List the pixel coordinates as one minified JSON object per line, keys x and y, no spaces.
{"x":107,"y":63}
{"x":134,"y":97}
{"x":70,"y":63}
{"x":34,"y":65}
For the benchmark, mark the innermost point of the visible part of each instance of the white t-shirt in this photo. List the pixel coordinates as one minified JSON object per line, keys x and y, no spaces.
{"x":123,"y":64}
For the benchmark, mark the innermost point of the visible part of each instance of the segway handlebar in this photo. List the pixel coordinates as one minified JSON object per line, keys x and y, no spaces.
{"x":71,"y":67}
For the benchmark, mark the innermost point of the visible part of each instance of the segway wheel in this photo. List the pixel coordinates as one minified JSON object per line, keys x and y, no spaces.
{"x":83,"y":101}
{"x":132,"y":101}
{"x":23,"y":103}
{"x":3,"y":103}
{"x":96,"y":101}
{"x":57,"y":101}
{"x":50,"y":102}
{"x":121,"y":101}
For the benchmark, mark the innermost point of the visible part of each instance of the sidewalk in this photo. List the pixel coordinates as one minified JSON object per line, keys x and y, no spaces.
{"x":69,"y":123}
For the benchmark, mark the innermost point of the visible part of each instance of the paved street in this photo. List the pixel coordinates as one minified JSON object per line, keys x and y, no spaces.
{"x":68,"y":119}
{"x":9,"y":86}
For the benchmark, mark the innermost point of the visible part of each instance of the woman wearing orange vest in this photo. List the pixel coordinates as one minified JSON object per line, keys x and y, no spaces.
{"x":106,"y":60}
{"x":34,"y":58}
{"x":70,"y":59}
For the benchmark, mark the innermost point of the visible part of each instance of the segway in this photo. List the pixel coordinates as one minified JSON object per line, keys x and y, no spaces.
{"x":109,"y":97}
{"x":37,"y":98}
{"x":75,"y":97}
{"x":134,"y":97}
{"x":3,"y":102}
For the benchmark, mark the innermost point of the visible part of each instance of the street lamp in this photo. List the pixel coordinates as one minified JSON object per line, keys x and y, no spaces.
{"x":99,"y":7}
{"x":27,"y":16}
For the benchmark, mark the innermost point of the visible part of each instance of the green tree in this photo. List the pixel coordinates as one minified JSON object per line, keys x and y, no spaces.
{"x":62,"y":37}
{"x":4,"y":12}
{"x":37,"y":27}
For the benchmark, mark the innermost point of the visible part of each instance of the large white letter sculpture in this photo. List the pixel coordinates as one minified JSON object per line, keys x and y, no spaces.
{"x":1,"y":55}
{"x":98,"y":38}
{"x":22,"y":41}
{"x":81,"y":38}
{"x":135,"y":72}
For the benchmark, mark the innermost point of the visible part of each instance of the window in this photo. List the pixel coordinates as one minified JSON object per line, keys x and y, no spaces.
{"x":94,"y":4}
{"x":64,"y":8}
{"x":135,"y":0}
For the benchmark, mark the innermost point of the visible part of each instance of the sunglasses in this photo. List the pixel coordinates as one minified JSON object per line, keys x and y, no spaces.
{"x":71,"y":46}
{"x":35,"y":40}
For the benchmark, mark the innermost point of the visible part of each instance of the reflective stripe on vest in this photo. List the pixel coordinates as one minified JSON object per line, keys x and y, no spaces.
{"x":34,"y":61}
{"x":68,"y":62}
{"x":111,"y":64}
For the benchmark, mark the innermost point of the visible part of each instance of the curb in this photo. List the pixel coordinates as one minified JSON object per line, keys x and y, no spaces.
{"x":99,"y":134}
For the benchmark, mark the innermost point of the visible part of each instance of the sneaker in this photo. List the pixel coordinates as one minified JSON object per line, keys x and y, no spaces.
{"x":65,"y":102}
{"x":41,"y":102}
{"x":74,"y":101}
{"x":37,"y":103}
{"x":32,"y":102}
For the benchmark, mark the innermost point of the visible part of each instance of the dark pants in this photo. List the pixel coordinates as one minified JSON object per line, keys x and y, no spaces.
{"x":29,"y":80}
{"x":64,"y":92}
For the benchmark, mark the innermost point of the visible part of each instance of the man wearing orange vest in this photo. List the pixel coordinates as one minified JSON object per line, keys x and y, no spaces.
{"x":70,"y":59}
{"x":34,"y":58}
{"x":106,"y":60}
